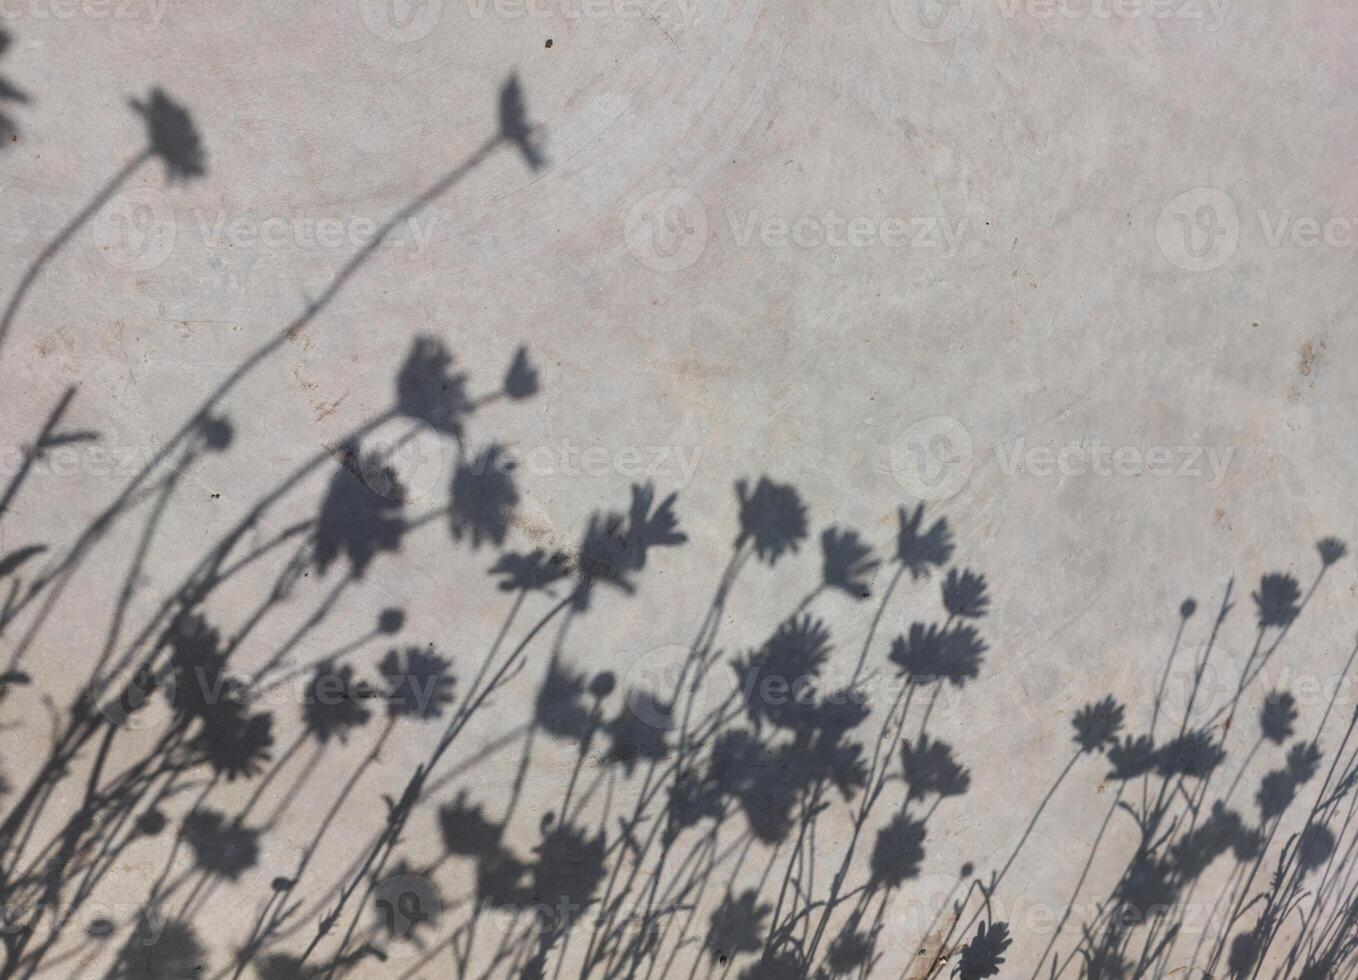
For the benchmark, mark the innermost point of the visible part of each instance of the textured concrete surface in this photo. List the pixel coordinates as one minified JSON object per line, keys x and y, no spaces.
{"x":1077,"y":276}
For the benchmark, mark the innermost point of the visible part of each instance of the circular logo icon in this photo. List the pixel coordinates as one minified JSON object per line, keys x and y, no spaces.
{"x":419,"y":465}
{"x":405,"y":902}
{"x":667,"y":229}
{"x":657,"y":687}
{"x":933,"y":458}
{"x":923,"y":906}
{"x":135,"y":231}
{"x":932,"y":21}
{"x":1199,"y":230}
{"x":134,"y":705}
{"x":401,"y":21}
{"x":1199,"y":686}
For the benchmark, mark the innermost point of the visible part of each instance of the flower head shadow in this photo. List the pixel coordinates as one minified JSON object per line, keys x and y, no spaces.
{"x":171,"y":136}
{"x":964,"y":594}
{"x":8,"y":93}
{"x":847,"y":562}
{"x":772,"y":518}
{"x":776,"y":679}
{"x":633,"y":739}
{"x":930,"y":769}
{"x":983,"y":955}
{"x":1314,"y":846}
{"x":1132,"y":758}
{"x":418,"y":683}
{"x":1303,"y":761}
{"x":1276,"y":600}
{"x":850,"y":953}
{"x":160,"y":951}
{"x":515,"y":127}
{"x":1277,"y":790}
{"x":220,"y":847}
{"x":560,"y":706}
{"x":428,"y":391}
{"x":535,"y":571}
{"x":483,"y":497}
{"x":736,"y":926}
{"x":1331,"y":550}
{"x":764,"y":781}
{"x":465,"y":830}
{"x":567,"y":872}
{"x":898,"y":852}
{"x":1278,"y":716}
{"x":521,"y":380}
{"x":1193,"y":754}
{"x":930,"y":653}
{"x":332,"y":704}
{"x":1097,"y":725}
{"x":361,"y":513}
{"x":233,"y":743}
{"x":615,"y":546}
{"x":197,"y":680}
{"x":919,"y":552}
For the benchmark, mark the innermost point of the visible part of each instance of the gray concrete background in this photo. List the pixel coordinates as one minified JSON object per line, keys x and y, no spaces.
{"x":804,"y":240}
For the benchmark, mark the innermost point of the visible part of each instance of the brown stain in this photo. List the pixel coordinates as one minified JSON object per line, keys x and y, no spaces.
{"x":931,"y":953}
{"x":302,"y":383}
{"x":1306,"y":360}
{"x":1308,"y":354}
{"x":538,"y":531}
{"x":60,"y":339}
{"x":324,"y":409}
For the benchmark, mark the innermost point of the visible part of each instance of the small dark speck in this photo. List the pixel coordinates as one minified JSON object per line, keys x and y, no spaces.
{"x":215,"y":496}
{"x":549,"y":42}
